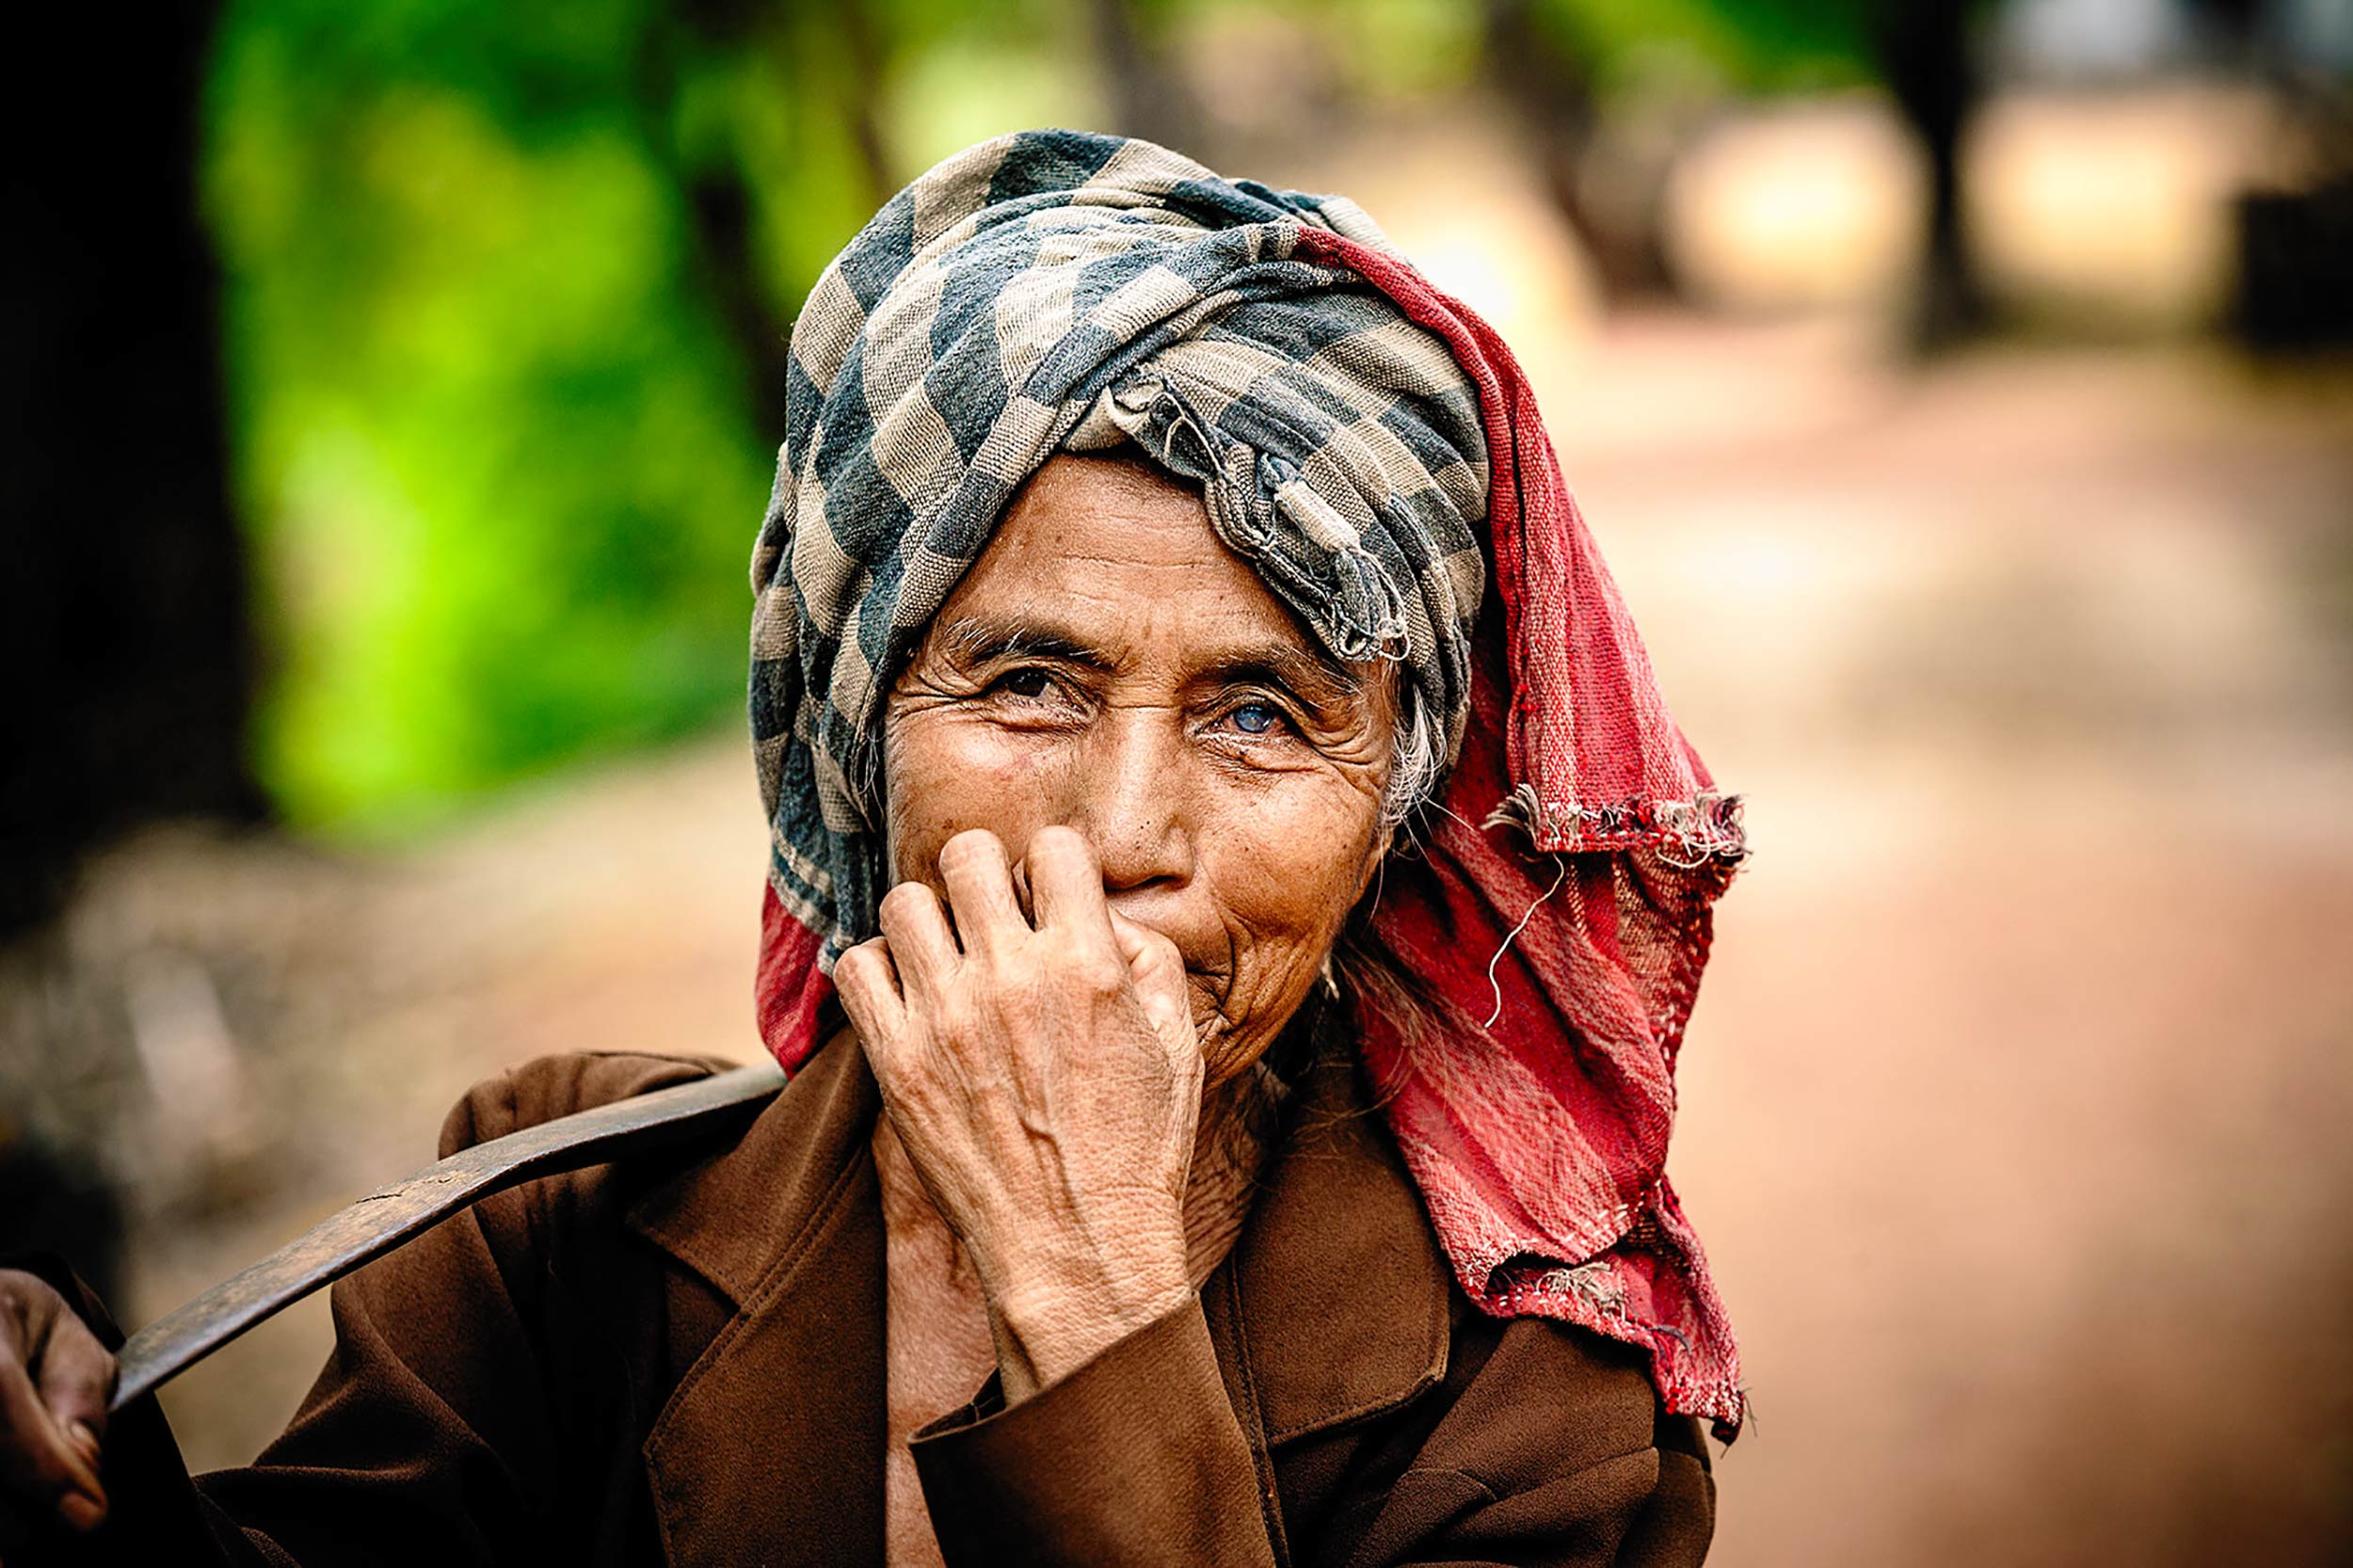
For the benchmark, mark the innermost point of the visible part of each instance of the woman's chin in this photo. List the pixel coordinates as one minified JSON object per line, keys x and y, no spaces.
{"x":1229,"y":1052}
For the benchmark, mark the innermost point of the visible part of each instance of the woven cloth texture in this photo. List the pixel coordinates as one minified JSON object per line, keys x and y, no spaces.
{"x":1373,"y":449}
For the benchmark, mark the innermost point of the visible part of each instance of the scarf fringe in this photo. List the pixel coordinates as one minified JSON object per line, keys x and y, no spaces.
{"x":1693,"y":833}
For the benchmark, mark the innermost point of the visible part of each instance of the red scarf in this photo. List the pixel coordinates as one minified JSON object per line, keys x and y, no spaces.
{"x":1578,"y":817}
{"x":1563,"y":890}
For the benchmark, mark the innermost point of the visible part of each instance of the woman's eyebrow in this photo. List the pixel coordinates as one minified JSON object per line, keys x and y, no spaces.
{"x":976,"y":640}
{"x":1312,"y":676}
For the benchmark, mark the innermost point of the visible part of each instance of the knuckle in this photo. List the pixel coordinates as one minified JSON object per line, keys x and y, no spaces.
{"x":81,"y":1377}
{"x":1061,"y":842}
{"x":29,"y":1466}
{"x":30,"y":1296}
{"x":1076,"y":960}
{"x":974,"y":846}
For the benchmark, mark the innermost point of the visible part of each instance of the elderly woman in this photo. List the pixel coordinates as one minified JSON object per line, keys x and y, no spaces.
{"x":1234,"y":898}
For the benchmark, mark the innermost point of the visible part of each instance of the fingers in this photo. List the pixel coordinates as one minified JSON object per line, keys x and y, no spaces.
{"x":44,"y":1465}
{"x":867,"y":981}
{"x":921,"y":944}
{"x":1158,"y":971}
{"x":76,"y":1379}
{"x":1021,"y":892}
{"x":981,"y":890}
{"x":1066,"y":881}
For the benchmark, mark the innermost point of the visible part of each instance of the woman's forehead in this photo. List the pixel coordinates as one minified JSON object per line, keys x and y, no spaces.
{"x":1102,"y":560}
{"x":1113,"y":530}
{"x":1079,"y":503}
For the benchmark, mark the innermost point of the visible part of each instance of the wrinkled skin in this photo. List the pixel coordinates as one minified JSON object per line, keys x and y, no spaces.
{"x":1132,"y":804}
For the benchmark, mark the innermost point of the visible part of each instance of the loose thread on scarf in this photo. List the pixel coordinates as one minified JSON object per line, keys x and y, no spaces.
{"x":1557,"y":1148}
{"x":1514,"y":935}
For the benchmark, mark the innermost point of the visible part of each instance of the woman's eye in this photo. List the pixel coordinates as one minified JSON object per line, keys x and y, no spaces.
{"x":1024,"y":683}
{"x":1257,"y":718}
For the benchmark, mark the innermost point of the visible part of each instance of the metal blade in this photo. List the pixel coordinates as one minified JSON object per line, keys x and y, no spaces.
{"x":391,"y":1215}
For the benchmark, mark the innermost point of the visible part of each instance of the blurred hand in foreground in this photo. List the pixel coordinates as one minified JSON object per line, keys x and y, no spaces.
{"x":55,"y":1379}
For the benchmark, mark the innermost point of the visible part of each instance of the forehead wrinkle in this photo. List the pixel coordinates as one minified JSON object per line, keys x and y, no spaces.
{"x":976,"y":639}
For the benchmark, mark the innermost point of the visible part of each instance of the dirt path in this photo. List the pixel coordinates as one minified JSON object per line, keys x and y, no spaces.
{"x":2013,"y":1107}
{"x":2015,"y":1104}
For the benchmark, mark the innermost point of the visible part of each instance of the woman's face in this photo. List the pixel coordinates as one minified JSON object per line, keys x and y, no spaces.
{"x":1108,"y":665}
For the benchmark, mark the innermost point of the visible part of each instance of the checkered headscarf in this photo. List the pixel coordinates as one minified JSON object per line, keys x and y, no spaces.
{"x":1055,"y":291}
{"x":1370,"y":447}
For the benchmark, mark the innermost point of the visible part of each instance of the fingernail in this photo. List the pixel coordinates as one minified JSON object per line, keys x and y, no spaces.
{"x":84,"y":1440}
{"x":81,"y":1511}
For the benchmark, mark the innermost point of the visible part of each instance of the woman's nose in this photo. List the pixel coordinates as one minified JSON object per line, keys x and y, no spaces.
{"x":1131,"y":797}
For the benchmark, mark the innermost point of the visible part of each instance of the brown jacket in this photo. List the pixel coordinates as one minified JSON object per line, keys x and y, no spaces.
{"x":681,"y":1362}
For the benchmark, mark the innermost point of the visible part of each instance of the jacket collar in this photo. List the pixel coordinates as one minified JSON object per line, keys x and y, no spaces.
{"x":738,"y":1216}
{"x":1333,"y":1307}
{"x":1336,"y":1304}
{"x":754,"y":1459}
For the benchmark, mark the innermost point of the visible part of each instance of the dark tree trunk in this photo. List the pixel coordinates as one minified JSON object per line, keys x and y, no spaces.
{"x":123,"y":627}
{"x":869,"y":53}
{"x":1550,"y":93}
{"x":1924,"y":55}
{"x":1150,"y":100}
{"x":713,"y":192}
{"x":713,"y":184}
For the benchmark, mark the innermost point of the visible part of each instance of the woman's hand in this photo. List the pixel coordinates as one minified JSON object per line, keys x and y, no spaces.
{"x":1045,"y":1078}
{"x":55,"y":1380}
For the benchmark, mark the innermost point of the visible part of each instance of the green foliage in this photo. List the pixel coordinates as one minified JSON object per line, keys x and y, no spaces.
{"x":506,"y":289}
{"x":496,"y":453}
{"x":1403,"y":48}
{"x":1715,"y":45}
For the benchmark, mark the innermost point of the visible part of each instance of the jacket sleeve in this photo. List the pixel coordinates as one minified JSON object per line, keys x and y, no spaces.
{"x":1550,"y":1448}
{"x":1651,"y":1507}
{"x":430,"y":1437}
{"x":1136,"y":1460}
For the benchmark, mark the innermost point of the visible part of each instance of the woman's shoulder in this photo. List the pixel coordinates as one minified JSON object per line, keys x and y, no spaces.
{"x":546,"y":1088}
{"x":1546,"y":1428}
{"x":579,"y":1217}
{"x":1540,"y":1386}
{"x":717,"y":1195}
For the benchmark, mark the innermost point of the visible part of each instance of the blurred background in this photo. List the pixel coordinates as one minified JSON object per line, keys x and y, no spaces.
{"x":1961,"y":390}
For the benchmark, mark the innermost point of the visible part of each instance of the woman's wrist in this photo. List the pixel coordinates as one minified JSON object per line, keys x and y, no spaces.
{"x":1053,"y":1312}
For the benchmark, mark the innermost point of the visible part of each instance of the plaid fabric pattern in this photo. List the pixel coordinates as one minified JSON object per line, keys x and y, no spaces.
{"x":1053,"y":290}
{"x":1373,"y":449}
